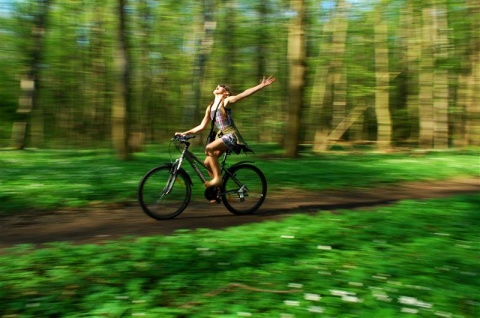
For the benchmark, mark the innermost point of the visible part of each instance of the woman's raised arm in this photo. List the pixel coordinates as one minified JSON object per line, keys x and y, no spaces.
{"x":265,"y":82}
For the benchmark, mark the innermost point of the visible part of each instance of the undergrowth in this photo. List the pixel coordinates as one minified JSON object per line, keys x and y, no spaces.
{"x":415,"y":258}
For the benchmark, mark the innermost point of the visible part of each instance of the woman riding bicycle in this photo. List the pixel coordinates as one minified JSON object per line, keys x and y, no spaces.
{"x":228,"y":137}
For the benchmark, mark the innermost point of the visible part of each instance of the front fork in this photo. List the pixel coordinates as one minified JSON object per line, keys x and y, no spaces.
{"x":173,"y":174}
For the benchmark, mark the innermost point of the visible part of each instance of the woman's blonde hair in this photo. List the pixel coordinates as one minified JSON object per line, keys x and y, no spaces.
{"x":226,"y":88}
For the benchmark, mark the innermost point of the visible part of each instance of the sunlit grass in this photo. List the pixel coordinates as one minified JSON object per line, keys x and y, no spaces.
{"x":49,"y":179}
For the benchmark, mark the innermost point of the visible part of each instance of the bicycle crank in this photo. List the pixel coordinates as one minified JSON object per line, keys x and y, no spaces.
{"x":212,"y":193}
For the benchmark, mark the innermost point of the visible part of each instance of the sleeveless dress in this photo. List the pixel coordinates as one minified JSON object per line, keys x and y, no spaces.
{"x":227,"y":130}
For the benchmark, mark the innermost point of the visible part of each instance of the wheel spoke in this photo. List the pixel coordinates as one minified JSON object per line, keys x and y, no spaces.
{"x":171,"y":201}
{"x":244,"y":190}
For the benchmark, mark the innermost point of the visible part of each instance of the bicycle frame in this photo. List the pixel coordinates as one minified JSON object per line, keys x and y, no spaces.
{"x":194,"y":161}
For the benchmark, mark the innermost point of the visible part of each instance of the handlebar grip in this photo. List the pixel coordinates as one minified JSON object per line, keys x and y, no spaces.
{"x":183,"y":137}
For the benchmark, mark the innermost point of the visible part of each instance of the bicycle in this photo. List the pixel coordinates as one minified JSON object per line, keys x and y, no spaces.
{"x":164,"y":191}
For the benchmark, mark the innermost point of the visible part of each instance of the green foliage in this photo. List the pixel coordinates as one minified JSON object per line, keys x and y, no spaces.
{"x":76,"y":80}
{"x":414,"y":257}
{"x":49,"y":179}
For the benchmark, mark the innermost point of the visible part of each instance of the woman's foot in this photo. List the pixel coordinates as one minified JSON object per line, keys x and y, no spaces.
{"x":215,"y":182}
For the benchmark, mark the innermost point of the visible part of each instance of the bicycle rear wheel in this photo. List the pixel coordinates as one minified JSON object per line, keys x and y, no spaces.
{"x":162,"y":195}
{"x":244,"y":189}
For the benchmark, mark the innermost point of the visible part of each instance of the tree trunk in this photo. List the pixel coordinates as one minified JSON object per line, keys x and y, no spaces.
{"x":472,"y":106}
{"x":296,"y":58}
{"x":318,"y":117}
{"x":265,"y":110}
{"x":98,"y":110}
{"x":122,"y":83}
{"x":336,"y":78}
{"x":382,"y":106}
{"x":440,"y":79}
{"x":30,"y":84}
{"x":143,"y":101}
{"x":472,"y":90}
{"x":426,"y":79}
{"x":413,"y":37}
{"x":204,"y":47}
{"x":339,"y":67}
{"x":440,"y":107}
{"x":230,"y":60}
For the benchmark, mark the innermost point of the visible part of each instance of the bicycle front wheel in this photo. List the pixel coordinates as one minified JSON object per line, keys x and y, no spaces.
{"x":244,"y":189}
{"x":163,"y":195}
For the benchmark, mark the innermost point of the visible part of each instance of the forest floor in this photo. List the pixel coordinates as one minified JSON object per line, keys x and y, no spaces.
{"x":98,"y":224}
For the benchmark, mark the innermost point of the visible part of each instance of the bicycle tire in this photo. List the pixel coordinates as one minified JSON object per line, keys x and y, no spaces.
{"x":254,"y":183}
{"x":154,"y":198}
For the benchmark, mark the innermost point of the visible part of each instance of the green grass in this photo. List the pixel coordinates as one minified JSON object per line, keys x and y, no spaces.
{"x":49,"y":179}
{"x":412,"y":259}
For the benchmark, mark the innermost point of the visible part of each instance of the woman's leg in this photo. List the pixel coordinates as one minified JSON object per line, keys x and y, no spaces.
{"x":209,"y":166}
{"x":214,"y":150}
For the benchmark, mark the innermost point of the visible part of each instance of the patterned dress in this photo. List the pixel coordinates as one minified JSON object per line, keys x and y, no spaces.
{"x":227,"y":130}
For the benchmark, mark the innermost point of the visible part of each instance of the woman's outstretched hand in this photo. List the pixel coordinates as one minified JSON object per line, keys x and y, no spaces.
{"x":268,"y":81}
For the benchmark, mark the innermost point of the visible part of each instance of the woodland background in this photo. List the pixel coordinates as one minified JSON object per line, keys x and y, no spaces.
{"x":121,"y":74}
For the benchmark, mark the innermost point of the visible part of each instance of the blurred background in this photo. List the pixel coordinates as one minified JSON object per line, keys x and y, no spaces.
{"x":121,"y":73}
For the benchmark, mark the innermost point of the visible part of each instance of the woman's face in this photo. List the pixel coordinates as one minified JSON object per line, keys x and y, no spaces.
{"x":220,"y":90}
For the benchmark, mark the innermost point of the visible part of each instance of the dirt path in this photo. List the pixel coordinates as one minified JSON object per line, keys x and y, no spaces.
{"x":96,"y":225}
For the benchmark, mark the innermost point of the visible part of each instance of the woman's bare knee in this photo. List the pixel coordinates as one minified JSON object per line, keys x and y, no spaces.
{"x":215,"y":149}
{"x":210,"y":152}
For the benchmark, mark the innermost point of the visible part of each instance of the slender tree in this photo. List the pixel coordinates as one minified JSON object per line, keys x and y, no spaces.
{"x":319,"y":116}
{"x":143,"y":100}
{"x":382,"y":76}
{"x":230,"y":59}
{"x":338,"y":64}
{"x":30,"y":83}
{"x":98,"y":109}
{"x":296,"y":59}
{"x":440,"y":76}
{"x":120,"y":107}
{"x":263,"y":40}
{"x":203,"y":49}
{"x":411,"y":34}
{"x":426,"y":78}
{"x":334,"y":79}
{"x":471,"y":82}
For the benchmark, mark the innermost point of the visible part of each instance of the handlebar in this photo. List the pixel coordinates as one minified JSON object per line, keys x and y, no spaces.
{"x":182,"y":138}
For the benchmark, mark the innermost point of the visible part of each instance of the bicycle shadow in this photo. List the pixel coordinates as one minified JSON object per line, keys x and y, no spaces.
{"x":323,"y":207}
{"x":276,"y":209}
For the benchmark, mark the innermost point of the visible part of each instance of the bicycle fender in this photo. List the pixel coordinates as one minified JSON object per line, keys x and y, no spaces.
{"x":181,"y":170}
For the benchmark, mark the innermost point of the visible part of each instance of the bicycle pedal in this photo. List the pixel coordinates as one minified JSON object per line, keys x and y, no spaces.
{"x":212,"y":193}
